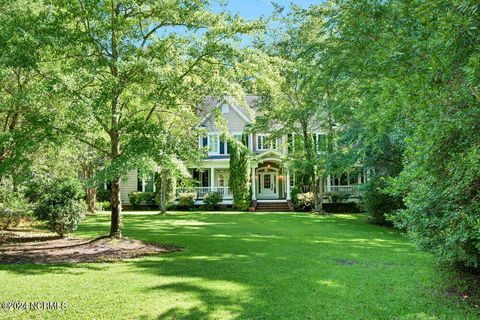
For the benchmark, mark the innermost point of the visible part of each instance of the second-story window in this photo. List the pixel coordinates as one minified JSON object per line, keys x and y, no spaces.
{"x":263,"y":143}
{"x":213,"y":143}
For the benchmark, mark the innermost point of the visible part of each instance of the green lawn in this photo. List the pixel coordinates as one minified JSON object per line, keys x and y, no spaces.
{"x":245,"y":266}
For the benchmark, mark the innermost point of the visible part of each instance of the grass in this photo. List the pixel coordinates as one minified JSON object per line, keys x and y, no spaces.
{"x":245,"y":266}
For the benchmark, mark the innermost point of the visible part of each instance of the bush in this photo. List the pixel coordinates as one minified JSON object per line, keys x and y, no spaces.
{"x":305,"y":201}
{"x":186,"y":201}
{"x":377,"y":203}
{"x":103,"y":205}
{"x":336,"y":197}
{"x":212,"y":200}
{"x":138,"y":198}
{"x":13,"y":208}
{"x":294,"y":194}
{"x":61,"y":205}
{"x":342,"y":207}
{"x":104,"y":195}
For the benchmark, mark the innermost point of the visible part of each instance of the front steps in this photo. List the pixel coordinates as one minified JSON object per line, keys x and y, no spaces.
{"x":272,"y":207}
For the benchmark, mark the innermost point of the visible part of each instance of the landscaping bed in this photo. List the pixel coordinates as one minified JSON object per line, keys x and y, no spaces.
{"x":29,"y":246}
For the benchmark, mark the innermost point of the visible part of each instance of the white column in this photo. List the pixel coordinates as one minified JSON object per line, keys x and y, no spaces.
{"x":288,"y":185}
{"x":250,"y":141}
{"x":329,"y":183}
{"x":254,"y":187}
{"x":212,"y":179}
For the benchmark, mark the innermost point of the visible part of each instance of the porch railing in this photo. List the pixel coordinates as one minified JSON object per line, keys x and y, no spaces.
{"x":353,"y":191}
{"x":202,"y":191}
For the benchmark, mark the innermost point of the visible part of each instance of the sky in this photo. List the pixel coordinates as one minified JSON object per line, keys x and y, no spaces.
{"x":253,"y":9}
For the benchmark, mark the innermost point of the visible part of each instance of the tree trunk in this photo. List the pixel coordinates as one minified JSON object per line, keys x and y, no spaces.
{"x":163,"y":191}
{"x":319,"y":197}
{"x":91,"y":199}
{"x":116,"y":219}
{"x":115,"y":227}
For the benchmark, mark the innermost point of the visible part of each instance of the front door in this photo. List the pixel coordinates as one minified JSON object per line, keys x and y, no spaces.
{"x":268,"y":186}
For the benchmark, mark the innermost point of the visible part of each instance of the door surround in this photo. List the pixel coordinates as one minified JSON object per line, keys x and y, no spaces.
{"x":272,"y":174}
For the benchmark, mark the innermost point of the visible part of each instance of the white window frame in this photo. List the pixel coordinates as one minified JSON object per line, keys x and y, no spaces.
{"x":270,"y":145}
{"x":225,"y":108}
{"x":212,"y":151}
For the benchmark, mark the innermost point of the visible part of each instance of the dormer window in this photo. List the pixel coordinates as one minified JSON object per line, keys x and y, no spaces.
{"x":225,"y":108}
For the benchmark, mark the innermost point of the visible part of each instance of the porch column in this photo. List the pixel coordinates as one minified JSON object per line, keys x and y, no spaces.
{"x":254,"y":185}
{"x":212,"y":179}
{"x":329,"y":183}
{"x":288,"y":184}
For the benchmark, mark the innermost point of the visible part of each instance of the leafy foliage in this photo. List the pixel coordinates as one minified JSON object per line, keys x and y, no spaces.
{"x":412,"y":81}
{"x":378,"y":202}
{"x":212,"y":200}
{"x":61,"y":205}
{"x":137,"y":198}
{"x":13,"y":207}
{"x":186,"y":201}
{"x":239,"y":176}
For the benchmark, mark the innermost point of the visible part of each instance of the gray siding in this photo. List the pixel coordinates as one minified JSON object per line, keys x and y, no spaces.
{"x":128,"y":184}
{"x":233,"y":120}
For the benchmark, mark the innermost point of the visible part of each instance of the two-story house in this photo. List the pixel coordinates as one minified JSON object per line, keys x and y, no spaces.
{"x":271,"y":180}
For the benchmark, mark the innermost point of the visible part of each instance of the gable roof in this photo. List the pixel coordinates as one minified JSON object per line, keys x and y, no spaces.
{"x":246,"y":113}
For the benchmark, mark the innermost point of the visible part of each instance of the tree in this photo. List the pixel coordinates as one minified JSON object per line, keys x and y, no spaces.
{"x":301,"y":103}
{"x":413,"y":82}
{"x":26,"y":41}
{"x":239,"y":177}
{"x":134,"y":65}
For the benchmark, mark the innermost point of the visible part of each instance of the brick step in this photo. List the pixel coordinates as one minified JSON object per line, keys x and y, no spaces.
{"x":272,"y":207}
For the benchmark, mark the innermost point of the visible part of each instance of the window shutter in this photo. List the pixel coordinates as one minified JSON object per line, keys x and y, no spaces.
{"x":139,"y":182}
{"x":205,"y":141}
{"x":222,"y":147}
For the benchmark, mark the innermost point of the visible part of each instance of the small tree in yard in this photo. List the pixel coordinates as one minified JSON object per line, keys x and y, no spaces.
{"x":61,"y":205}
{"x":239,"y":176}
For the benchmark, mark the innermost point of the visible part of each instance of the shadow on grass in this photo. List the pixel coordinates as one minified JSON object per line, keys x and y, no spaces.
{"x":272,"y":266}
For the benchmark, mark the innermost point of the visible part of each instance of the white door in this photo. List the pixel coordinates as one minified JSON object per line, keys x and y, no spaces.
{"x":268,"y":185}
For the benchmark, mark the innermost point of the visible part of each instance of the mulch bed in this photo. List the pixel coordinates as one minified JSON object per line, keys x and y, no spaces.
{"x":19,"y":246}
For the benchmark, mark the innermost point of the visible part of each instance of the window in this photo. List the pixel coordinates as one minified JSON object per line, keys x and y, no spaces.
{"x":264,"y":144}
{"x":213,"y":143}
{"x":146,"y":182}
{"x":222,"y":179}
{"x":225,"y":108}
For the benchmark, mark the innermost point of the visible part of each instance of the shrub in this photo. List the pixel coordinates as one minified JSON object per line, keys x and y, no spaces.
{"x":103,"y":205}
{"x":294,"y":194}
{"x":305,"y":201}
{"x":61,"y":205}
{"x":336,"y":197}
{"x":13,"y":208}
{"x":186,"y":201}
{"x":377,"y":203}
{"x":104,"y":195}
{"x":239,"y":176}
{"x":342,"y":207}
{"x":212,"y":200}
{"x":171,"y":184}
{"x":138,"y":198}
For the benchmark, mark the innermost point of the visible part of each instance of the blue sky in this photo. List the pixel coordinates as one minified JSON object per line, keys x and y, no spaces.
{"x":253,"y":9}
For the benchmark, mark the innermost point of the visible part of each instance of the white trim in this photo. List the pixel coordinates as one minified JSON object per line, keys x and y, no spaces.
{"x":217,"y":151}
{"x":271,"y":200}
{"x":240,"y":113}
{"x":270,"y":145}
{"x":221,"y":102}
{"x":274,"y":152}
